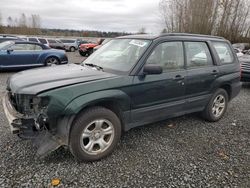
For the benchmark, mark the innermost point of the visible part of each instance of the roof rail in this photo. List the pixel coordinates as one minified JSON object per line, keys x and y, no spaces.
{"x":191,"y":35}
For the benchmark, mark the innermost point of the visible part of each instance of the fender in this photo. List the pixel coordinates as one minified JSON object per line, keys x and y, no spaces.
{"x":79,"y":103}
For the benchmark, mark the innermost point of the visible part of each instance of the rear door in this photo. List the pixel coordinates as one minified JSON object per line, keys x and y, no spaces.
{"x":201,"y":74}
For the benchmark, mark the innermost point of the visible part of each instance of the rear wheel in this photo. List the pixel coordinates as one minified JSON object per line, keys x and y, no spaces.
{"x":52,"y":61}
{"x":94,"y":134}
{"x":72,"y":49}
{"x":217,"y":106}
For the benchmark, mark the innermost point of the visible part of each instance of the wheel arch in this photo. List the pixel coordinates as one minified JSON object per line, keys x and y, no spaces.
{"x":228,"y":88}
{"x":50,"y":56}
{"x":114,"y":100}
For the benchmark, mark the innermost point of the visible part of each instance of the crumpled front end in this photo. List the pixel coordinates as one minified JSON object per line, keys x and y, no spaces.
{"x":27,"y":117}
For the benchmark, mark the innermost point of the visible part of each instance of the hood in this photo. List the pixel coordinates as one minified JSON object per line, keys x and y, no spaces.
{"x":43,"y":79}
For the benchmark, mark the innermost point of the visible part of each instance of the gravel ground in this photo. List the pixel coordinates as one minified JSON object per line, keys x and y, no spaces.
{"x":181,"y":152}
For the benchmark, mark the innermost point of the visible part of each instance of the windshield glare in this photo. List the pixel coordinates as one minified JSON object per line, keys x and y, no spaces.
{"x":4,"y":45}
{"x":119,"y":54}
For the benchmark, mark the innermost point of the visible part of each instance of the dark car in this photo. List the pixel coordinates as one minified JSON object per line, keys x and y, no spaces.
{"x":57,"y":44}
{"x":245,"y":67}
{"x":4,"y":38}
{"x":129,"y":82}
{"x":24,"y":54}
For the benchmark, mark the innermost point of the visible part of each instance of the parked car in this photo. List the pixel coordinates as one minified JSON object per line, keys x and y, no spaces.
{"x":87,"y":49}
{"x":24,"y":54}
{"x":70,"y":44}
{"x":245,"y":67}
{"x":37,"y":39}
{"x":104,"y":42}
{"x":4,"y":38}
{"x":238,"y":52}
{"x":57,"y":44}
{"x":82,"y":42}
{"x":129,"y":82}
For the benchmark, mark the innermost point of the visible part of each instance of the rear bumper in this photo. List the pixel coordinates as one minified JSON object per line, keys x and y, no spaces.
{"x":14,"y":118}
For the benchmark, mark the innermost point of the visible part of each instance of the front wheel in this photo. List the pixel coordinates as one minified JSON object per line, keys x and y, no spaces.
{"x":94,"y":134}
{"x":217,"y":106}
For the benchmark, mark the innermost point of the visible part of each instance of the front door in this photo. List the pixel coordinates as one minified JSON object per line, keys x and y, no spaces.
{"x":157,"y":97}
{"x":23,"y":55}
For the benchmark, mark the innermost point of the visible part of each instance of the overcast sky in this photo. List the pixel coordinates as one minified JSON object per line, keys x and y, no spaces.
{"x":104,"y":15}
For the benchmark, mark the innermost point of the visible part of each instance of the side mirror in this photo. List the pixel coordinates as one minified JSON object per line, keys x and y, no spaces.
{"x":9,"y":50}
{"x":152,"y":69}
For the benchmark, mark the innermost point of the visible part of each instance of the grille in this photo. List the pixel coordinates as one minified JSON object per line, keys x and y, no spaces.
{"x":245,"y":67}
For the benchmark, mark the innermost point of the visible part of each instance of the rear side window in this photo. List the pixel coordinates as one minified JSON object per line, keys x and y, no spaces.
{"x":33,"y":40}
{"x":52,"y":41}
{"x":68,"y":41}
{"x":43,"y":41}
{"x":224,"y":52}
{"x":197,"y":54}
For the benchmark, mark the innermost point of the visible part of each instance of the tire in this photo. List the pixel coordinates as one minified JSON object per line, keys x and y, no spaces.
{"x":90,"y":51}
{"x":94,"y":134}
{"x":215,"y":110}
{"x":72,"y":49}
{"x":52,"y":61}
{"x":82,"y":53}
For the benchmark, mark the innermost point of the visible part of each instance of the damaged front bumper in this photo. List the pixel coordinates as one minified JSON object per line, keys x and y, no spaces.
{"x":44,"y":140}
{"x":14,"y":118}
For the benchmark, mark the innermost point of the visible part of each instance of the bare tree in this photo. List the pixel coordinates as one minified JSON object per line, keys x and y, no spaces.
{"x":10,"y":22}
{"x":228,"y":18}
{"x":142,"y":30}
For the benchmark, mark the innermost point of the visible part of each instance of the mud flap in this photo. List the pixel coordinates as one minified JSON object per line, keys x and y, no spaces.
{"x":46,"y":143}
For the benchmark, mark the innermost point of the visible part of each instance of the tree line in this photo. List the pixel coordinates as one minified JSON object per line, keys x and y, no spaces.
{"x":226,"y":18}
{"x":31,"y":25}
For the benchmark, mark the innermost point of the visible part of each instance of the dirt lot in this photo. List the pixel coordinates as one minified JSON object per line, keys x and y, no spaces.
{"x":181,"y":152}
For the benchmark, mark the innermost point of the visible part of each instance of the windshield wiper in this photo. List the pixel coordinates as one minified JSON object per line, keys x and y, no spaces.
{"x":93,"y":65}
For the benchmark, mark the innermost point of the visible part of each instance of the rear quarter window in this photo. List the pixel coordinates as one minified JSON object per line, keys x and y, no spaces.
{"x":224,"y":52}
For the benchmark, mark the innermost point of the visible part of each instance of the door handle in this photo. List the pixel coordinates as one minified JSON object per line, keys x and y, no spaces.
{"x":214,"y":72}
{"x":179,"y":77}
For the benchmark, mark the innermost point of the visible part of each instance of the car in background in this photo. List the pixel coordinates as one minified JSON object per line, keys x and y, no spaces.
{"x":70,"y":44}
{"x":245,"y":67}
{"x":105,"y":41}
{"x":4,"y":38}
{"x":88,"y":48}
{"x":238,"y":52}
{"x":24,"y":54}
{"x":242,"y":46}
{"x":56,"y":44}
{"x":37,"y":39}
{"x":82,"y":42}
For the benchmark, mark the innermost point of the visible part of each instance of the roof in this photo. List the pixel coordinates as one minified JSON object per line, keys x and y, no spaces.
{"x":152,"y":37}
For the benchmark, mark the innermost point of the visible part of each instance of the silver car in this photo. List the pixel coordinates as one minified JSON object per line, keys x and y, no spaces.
{"x":70,"y":44}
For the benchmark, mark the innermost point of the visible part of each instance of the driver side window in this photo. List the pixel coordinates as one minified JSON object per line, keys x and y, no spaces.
{"x":169,"y":55}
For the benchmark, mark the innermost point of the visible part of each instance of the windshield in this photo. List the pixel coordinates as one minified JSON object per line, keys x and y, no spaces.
{"x":119,"y":54}
{"x":4,"y":45}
